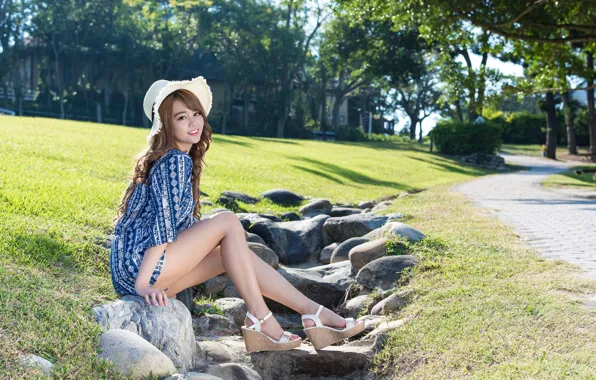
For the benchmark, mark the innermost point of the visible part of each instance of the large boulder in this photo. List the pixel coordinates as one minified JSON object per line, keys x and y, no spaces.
{"x":214,"y":325}
{"x":324,"y":284}
{"x":381,"y":206}
{"x":384,"y":272}
{"x":353,"y":307}
{"x":233,"y":371}
{"x":283,"y":197}
{"x":363,"y":254}
{"x":290,"y":216}
{"x":344,"y":211}
{"x":342,"y":228}
{"x":214,"y":352}
{"x":325,"y":256}
{"x":265,"y":253}
{"x":133,"y":356}
{"x":316,"y":207}
{"x":233,"y":308}
{"x":242,"y":197}
{"x":294,"y":242}
{"x":253,"y":238}
{"x":304,"y":362}
{"x":215,"y":285}
{"x":167,"y":327}
{"x":393,"y":229}
{"x":341,"y":253}
{"x":366,"y":204}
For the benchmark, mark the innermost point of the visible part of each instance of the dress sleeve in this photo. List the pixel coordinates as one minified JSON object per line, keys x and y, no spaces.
{"x":171,"y":197}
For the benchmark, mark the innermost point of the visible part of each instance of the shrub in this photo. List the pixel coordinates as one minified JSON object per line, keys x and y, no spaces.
{"x":456,"y":137}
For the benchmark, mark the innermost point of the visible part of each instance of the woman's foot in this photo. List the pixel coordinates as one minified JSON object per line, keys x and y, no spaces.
{"x":328,"y":318}
{"x":271,"y":328}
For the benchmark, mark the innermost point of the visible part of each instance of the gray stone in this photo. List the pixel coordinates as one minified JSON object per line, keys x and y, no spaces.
{"x":37,"y":362}
{"x":341,"y":253}
{"x":133,"y":356}
{"x":265,"y":253}
{"x":231,"y":292}
{"x":342,"y":228}
{"x":283,"y":197}
{"x":242,"y":197}
{"x":227,"y":202}
{"x":375,"y":339}
{"x":381,"y":206}
{"x":395,"y":302}
{"x":214,"y":325}
{"x":366,"y":204}
{"x":109,"y":240}
{"x":326,"y":253}
{"x":294,"y":242}
{"x":193,"y":376}
{"x":215,"y":285}
{"x":233,"y":371}
{"x":233,"y":308}
{"x":214,"y":352}
{"x":254,"y":238}
{"x":205,"y":203}
{"x":384,"y":272}
{"x":364,"y":211}
{"x":363,"y":254}
{"x":400,"y":229}
{"x":290,"y":216}
{"x":354,"y":306}
{"x":344,"y":211}
{"x":325,"y":284}
{"x":316,"y":207}
{"x":167,"y":327}
{"x":303,"y":362}
{"x":373,"y":234}
{"x":394,"y":216}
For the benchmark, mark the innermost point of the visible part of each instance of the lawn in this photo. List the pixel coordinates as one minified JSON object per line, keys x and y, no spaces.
{"x":60,"y":184}
{"x":569,"y":179}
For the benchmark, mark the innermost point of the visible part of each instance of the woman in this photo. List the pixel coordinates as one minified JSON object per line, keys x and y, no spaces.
{"x":159,"y":214}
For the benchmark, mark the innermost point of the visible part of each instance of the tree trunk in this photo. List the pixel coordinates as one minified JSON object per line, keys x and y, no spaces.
{"x":420,"y":133}
{"x":551,"y":126}
{"x":98,"y":111}
{"x":591,"y":112}
{"x":459,"y":113}
{"x":58,"y":77}
{"x":324,"y":101}
{"x":283,"y":113}
{"x":245,"y":106}
{"x":570,"y":123}
{"x":413,"y":124}
{"x":125,"y":110}
{"x":335,"y":112}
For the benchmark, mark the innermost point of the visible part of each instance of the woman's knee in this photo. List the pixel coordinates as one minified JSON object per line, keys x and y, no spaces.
{"x":229,"y":221}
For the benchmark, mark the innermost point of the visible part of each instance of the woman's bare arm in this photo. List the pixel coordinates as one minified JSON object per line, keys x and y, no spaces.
{"x":148,"y":264}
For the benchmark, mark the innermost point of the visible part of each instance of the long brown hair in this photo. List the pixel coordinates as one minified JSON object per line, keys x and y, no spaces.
{"x":162,"y":142}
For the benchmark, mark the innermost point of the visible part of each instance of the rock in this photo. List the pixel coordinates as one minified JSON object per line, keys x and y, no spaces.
{"x":233,"y":308}
{"x":370,"y":322}
{"x":240,"y":197}
{"x":373,"y":234}
{"x":384,"y":272}
{"x":341,"y":253}
{"x":344,"y":227}
{"x":167,"y":327}
{"x":37,"y":362}
{"x":231,"y":292}
{"x":271,"y":217}
{"x":354,"y":306}
{"x":491,"y":161}
{"x":344,"y":211}
{"x":326,"y":253}
{"x":254,"y":238}
{"x":205,"y":203}
{"x":133,"y":356}
{"x":304,"y":362}
{"x":227,"y":202}
{"x":294,"y":242}
{"x":248,"y":218}
{"x":364,"y":211}
{"x":395,"y":302}
{"x":400,"y":229}
{"x":380,"y":334}
{"x":233,"y":371}
{"x":290,"y":216}
{"x":394,"y":216}
{"x":193,"y":376}
{"x":265,"y":253}
{"x":325,"y":284}
{"x":363,"y":254}
{"x":214,"y":352}
{"x":215,"y":285}
{"x":214,"y":325}
{"x":316,"y":207}
{"x":366,"y":204}
{"x":381,"y":206}
{"x":108,"y":243}
{"x":283,"y":197}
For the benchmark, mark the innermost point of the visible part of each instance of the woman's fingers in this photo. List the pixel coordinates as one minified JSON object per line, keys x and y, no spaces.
{"x":154,"y":299}
{"x":147,"y":299}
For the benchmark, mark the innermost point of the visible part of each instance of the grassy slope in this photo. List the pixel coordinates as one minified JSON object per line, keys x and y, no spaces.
{"x":60,"y":182}
{"x":570,"y":179}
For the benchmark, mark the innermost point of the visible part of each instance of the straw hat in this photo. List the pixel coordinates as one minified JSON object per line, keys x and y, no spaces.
{"x":162,"y":88}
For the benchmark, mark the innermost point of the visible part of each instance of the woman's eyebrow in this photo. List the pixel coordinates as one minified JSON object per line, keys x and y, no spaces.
{"x":179,"y":113}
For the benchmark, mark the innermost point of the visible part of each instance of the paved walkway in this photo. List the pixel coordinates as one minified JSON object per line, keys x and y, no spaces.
{"x":558,"y":225}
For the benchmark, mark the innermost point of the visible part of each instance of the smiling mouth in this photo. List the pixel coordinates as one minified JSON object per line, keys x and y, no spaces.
{"x":194,"y":133}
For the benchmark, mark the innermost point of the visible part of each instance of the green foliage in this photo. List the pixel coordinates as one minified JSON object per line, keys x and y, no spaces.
{"x":205,"y":305}
{"x":456,"y":137}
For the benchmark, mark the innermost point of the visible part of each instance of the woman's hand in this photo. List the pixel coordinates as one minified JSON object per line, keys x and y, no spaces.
{"x":158,"y":296}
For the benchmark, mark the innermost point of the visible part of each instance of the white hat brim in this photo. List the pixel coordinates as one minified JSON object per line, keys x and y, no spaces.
{"x":162,"y":88}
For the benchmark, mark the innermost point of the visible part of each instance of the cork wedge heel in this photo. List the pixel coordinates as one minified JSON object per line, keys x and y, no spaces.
{"x":256,"y":341}
{"x":322,"y":336}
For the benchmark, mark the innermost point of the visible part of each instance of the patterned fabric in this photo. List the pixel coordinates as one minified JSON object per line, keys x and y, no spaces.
{"x":155,"y":214}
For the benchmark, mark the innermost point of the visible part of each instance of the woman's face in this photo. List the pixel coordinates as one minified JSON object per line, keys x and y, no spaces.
{"x":187,"y":125}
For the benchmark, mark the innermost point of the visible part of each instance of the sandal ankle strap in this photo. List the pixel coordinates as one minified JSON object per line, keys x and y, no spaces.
{"x":257,"y":322}
{"x":315,"y":317}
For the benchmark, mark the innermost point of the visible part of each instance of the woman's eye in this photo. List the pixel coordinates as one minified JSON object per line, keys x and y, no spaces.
{"x":197,"y":113}
{"x":181,"y":117}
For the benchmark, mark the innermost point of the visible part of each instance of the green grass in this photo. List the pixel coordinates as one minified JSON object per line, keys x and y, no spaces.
{"x":569,"y":179}
{"x":534,"y":150}
{"x":486,"y":306}
{"x":60,"y":184}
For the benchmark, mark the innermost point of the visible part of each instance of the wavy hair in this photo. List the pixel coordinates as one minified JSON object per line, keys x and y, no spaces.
{"x":161,"y":143}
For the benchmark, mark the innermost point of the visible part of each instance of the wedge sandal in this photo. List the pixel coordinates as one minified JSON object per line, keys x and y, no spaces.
{"x":256,"y":341}
{"x":322,"y":336}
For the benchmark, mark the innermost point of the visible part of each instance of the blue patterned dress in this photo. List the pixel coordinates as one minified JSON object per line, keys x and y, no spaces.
{"x":155,"y":214}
